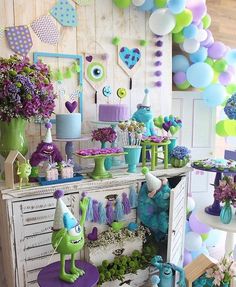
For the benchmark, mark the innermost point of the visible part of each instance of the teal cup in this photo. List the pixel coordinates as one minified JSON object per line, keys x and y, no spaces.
{"x":132,"y":157}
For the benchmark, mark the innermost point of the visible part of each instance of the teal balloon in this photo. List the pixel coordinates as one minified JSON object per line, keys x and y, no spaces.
{"x":179,"y":64}
{"x":190,"y":32}
{"x":213,"y":238}
{"x":200,"y":75}
{"x":176,"y":6}
{"x":202,"y":250}
{"x":148,"y":5}
{"x":199,"y":56}
{"x":230,"y":57}
{"x":214,"y":95}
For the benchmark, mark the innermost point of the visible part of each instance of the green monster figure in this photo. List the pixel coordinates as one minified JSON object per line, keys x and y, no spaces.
{"x":68,"y":236}
{"x":23,"y":171}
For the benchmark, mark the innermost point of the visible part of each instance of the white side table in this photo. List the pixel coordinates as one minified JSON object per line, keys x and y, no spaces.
{"x":214,"y":221}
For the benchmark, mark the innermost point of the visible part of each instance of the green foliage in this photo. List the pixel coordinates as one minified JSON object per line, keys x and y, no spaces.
{"x":123,"y":265}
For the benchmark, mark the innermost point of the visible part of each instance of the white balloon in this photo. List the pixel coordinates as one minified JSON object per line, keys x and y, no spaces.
{"x":231,"y":141}
{"x":190,"y":204}
{"x":201,"y":35}
{"x":193,"y":241}
{"x":138,"y":2}
{"x":162,"y":22}
{"x":191,"y":45}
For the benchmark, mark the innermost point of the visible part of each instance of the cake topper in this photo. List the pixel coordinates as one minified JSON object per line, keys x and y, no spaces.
{"x":68,"y":236}
{"x":71,"y":106}
{"x":121,"y":93}
{"x":107,"y":92}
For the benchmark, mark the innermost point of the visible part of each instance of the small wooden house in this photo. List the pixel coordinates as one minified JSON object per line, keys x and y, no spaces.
{"x":197,"y":268}
{"x":9,"y":167}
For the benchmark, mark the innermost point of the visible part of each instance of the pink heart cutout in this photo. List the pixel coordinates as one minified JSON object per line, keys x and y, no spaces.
{"x":71,"y":106}
{"x":89,"y":58}
{"x":93,"y":236}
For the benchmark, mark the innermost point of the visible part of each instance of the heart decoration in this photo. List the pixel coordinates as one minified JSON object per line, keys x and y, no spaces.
{"x":117,"y":226}
{"x":174,"y":130}
{"x":130,"y":57}
{"x":166,"y":126}
{"x":158,"y":122}
{"x":71,"y":106}
{"x":89,"y":58}
{"x":93,"y":236}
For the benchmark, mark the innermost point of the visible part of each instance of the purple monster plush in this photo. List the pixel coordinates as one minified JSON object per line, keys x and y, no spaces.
{"x":46,"y":150}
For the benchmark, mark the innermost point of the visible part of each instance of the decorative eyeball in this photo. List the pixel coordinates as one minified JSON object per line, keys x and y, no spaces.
{"x":121,"y":93}
{"x":75,"y":231}
{"x":107,"y":91}
{"x":96,"y":72}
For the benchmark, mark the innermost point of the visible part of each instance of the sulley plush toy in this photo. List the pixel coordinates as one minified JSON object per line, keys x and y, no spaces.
{"x":144,"y":115}
{"x":153,"y":204}
{"x":68,"y":236}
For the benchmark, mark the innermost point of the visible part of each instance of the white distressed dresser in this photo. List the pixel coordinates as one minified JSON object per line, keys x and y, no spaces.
{"x":27,"y":215}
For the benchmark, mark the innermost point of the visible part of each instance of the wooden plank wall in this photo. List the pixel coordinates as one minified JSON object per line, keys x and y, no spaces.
{"x":98,"y":24}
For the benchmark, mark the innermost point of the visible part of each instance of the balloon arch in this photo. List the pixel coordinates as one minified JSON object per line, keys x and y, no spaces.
{"x":209,"y":65}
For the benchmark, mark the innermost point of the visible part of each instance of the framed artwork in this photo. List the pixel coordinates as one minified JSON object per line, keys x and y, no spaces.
{"x":67,"y":75}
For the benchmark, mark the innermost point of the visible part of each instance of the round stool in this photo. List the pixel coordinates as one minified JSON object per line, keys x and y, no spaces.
{"x":49,"y":275}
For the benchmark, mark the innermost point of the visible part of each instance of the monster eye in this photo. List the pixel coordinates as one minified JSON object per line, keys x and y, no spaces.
{"x":74,"y":231}
{"x":96,"y":72}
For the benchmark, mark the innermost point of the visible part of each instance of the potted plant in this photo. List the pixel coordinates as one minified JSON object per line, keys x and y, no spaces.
{"x":180,"y":156}
{"x":25,"y":92}
{"x":226,"y":192}
{"x":131,"y":136}
{"x":223,"y":272}
{"x":105,"y":135}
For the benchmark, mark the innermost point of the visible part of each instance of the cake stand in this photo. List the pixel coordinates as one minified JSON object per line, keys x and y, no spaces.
{"x":115,"y":162}
{"x":215,"y":208}
{"x":99,"y":172}
{"x":69,"y":149}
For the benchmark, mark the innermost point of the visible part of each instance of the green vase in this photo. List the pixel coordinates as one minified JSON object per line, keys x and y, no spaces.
{"x":226,"y":213}
{"x":175,"y":162}
{"x":12,"y":137}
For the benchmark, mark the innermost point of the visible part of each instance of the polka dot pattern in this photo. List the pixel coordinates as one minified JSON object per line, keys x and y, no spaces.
{"x":64,"y":13}
{"x":19,"y":39}
{"x":46,"y":30}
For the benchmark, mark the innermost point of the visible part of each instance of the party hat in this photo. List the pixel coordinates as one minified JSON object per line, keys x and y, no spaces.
{"x":146,"y":99}
{"x":63,"y":217}
{"x":153,"y":183}
{"x":48,"y":136}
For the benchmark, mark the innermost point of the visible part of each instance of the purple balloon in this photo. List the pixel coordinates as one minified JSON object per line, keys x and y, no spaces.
{"x":198,"y":8}
{"x":217,"y":50}
{"x":187,"y":257}
{"x":208,"y":40}
{"x":198,"y":226}
{"x":225,"y":78}
{"x":179,"y":78}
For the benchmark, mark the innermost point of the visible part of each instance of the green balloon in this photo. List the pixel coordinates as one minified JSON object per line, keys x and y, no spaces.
{"x":183,"y":86}
{"x":231,"y":89}
{"x":204,"y":236}
{"x":220,"y":65}
{"x":178,"y":37}
{"x":226,"y":128}
{"x":160,"y":3}
{"x":178,"y":28}
{"x":185,"y":18}
{"x":209,"y":61}
{"x":206,"y":21}
{"x":122,"y":3}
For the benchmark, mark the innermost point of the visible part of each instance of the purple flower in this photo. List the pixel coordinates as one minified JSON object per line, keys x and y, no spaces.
{"x":230,"y":107}
{"x":104,"y":135}
{"x":180,"y":152}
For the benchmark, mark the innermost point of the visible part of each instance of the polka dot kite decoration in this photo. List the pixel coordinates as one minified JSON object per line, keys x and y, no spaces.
{"x":46,"y":30}
{"x":19,"y":39}
{"x":64,"y":13}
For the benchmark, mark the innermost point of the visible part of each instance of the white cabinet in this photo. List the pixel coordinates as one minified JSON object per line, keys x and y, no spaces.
{"x":27,"y":217}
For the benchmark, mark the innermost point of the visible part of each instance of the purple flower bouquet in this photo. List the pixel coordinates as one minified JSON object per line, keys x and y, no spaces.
{"x":25,"y":89}
{"x":104,"y":135}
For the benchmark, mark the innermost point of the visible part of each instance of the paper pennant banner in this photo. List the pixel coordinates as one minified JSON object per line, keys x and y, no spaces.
{"x":1,"y":32}
{"x":64,"y":13}
{"x":95,"y":69}
{"x":46,"y":30}
{"x":83,"y":2}
{"x":19,"y":39}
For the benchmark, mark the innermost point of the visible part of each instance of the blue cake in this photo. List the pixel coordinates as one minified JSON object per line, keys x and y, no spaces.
{"x":68,"y":126}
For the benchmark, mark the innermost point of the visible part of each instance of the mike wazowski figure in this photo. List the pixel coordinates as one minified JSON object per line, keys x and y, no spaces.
{"x":68,"y":236}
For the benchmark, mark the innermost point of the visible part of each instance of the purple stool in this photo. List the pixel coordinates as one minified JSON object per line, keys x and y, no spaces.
{"x":49,"y":275}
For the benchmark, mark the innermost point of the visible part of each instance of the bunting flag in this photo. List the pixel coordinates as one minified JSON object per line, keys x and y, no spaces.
{"x":46,"y":30}
{"x":19,"y":39}
{"x":64,"y":13}
{"x":1,"y":32}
